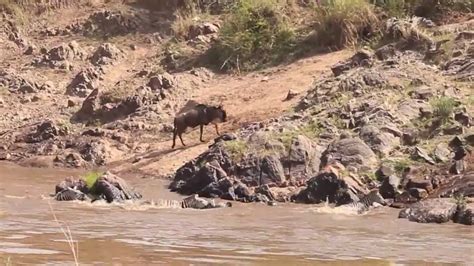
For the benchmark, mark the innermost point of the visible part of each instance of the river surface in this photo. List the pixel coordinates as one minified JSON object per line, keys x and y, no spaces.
{"x":247,"y":234}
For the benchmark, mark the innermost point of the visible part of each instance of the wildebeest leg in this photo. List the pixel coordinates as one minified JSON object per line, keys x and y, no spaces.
{"x":200,"y":129}
{"x":174,"y":138}
{"x":217,"y":129}
{"x":180,"y":137}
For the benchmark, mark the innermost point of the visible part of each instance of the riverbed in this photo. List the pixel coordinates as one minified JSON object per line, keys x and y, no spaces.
{"x":246,"y":234}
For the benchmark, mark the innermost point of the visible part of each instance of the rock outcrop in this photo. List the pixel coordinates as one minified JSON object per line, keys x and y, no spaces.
{"x":107,"y":186}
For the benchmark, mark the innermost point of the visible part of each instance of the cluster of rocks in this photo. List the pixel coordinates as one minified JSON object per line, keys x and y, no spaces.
{"x":87,"y":79}
{"x":92,"y":111}
{"x":60,"y":56}
{"x":361,"y":142}
{"x":18,"y":84}
{"x":107,"y":186}
{"x":202,"y":33}
{"x":106,"y":54}
{"x":13,"y":33}
{"x":103,"y":23}
{"x":84,"y":82}
{"x":461,"y":65}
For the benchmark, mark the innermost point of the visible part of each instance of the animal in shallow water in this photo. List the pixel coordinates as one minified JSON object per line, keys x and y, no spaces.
{"x":373,"y":199}
{"x":193,"y":202}
{"x":199,"y":115}
{"x":108,"y":187}
{"x":68,"y":194}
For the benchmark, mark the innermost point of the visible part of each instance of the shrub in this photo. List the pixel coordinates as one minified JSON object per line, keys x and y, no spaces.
{"x":443,"y":108}
{"x":341,"y":23}
{"x":237,"y":149}
{"x":254,"y":33}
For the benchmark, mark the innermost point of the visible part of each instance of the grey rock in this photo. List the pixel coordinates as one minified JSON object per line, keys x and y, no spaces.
{"x":420,"y":153}
{"x":380,"y":142}
{"x":430,"y":211}
{"x":304,"y":158}
{"x":105,"y":54}
{"x":271,"y":170}
{"x":463,"y":118}
{"x":441,"y":152}
{"x":385,"y":52}
{"x":350,"y":152}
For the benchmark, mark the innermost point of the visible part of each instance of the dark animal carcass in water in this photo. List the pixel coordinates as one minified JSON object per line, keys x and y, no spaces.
{"x":199,"y":115}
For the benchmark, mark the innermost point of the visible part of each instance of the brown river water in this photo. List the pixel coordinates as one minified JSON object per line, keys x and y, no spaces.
{"x":247,"y":234}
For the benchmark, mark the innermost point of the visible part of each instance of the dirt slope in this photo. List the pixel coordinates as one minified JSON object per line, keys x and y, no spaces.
{"x":248,"y":98}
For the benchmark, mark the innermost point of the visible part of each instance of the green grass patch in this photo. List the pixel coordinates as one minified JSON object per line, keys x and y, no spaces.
{"x":310,"y":130}
{"x":443,"y":108}
{"x":399,"y":164}
{"x":91,"y":178}
{"x":254,"y":34}
{"x":237,"y":149}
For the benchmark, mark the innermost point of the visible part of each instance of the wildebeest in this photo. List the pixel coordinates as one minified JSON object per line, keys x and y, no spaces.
{"x":199,"y":115}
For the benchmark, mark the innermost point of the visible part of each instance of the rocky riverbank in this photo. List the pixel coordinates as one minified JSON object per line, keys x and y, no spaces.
{"x":389,"y":119}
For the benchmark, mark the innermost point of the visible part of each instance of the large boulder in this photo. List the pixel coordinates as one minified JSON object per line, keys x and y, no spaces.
{"x":304,"y":158}
{"x":350,"y":152}
{"x":430,"y":211}
{"x":333,"y":185}
{"x":464,"y":214}
{"x":380,"y":142}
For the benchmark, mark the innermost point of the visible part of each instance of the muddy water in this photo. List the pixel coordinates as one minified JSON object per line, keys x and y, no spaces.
{"x":246,"y":234}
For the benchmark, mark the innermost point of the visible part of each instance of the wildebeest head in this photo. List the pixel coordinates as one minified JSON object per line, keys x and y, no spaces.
{"x":219,"y":114}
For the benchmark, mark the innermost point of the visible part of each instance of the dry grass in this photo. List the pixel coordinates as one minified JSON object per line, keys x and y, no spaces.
{"x":185,"y":18}
{"x":73,"y":245}
{"x":254,"y":34}
{"x":341,"y":23}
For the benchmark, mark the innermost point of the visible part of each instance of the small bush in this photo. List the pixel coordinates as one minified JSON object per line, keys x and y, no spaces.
{"x":237,"y":149}
{"x":91,"y":178}
{"x":341,"y":23}
{"x":255,"y":33}
{"x":399,"y":165}
{"x":310,"y":130}
{"x":443,"y":108}
{"x":185,"y":18}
